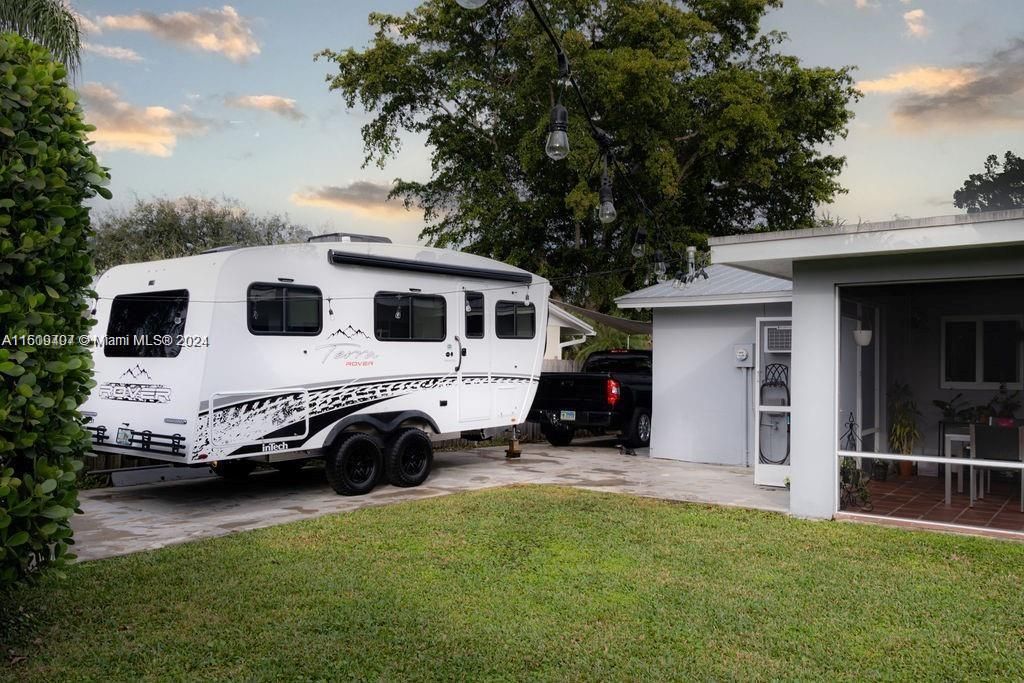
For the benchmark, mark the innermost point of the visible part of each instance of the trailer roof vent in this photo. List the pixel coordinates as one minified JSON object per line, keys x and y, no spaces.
{"x":348,"y":237}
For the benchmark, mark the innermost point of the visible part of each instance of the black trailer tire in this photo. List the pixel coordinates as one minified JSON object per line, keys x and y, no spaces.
{"x":638,"y":434}
{"x":409,"y":458}
{"x":354,"y":465}
{"x":559,"y":436}
{"x":233,"y":470}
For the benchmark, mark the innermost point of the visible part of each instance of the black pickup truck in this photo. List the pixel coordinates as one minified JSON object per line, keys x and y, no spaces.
{"x":612,"y":391}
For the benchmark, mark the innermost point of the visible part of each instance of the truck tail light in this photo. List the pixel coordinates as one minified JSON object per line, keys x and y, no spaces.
{"x":612,"y":391}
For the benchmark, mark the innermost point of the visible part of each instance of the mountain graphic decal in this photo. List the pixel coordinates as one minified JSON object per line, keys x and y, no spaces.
{"x":137,"y":372}
{"x":348,"y":333}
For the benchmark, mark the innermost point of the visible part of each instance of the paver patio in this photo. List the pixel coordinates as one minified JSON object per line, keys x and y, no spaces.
{"x":118,"y":521}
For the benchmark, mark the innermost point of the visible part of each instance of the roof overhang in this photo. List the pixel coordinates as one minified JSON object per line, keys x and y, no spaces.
{"x":700,"y":302}
{"x":567,"y":320}
{"x":773,"y":253}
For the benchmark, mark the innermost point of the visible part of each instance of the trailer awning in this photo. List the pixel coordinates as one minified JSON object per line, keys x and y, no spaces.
{"x":392,"y":263}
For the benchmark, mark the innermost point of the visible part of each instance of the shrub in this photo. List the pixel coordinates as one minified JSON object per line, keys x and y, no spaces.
{"x":46,"y":172}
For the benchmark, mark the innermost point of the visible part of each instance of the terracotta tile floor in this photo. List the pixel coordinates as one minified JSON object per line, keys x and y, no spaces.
{"x":923,"y":498}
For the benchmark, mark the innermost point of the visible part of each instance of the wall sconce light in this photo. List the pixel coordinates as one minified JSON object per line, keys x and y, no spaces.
{"x":862,"y":337}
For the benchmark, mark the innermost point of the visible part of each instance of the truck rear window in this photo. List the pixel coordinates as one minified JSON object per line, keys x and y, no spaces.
{"x":640,"y":365}
{"x":146,"y":325}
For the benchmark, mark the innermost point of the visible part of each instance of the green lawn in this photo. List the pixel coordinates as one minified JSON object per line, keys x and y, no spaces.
{"x":538,"y":582}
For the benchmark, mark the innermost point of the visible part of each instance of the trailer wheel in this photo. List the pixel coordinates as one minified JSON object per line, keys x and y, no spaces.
{"x":355,"y":465}
{"x":233,"y":470}
{"x":409,"y":457}
{"x":638,"y":434}
{"x":559,"y":436}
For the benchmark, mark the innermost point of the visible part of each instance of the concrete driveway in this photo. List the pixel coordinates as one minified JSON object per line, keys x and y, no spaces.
{"x":118,"y":521}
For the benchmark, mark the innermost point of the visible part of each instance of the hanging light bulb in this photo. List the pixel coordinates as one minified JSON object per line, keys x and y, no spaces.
{"x":638,"y":243}
{"x":557,"y":146}
{"x":659,"y":263}
{"x":606,"y":213}
{"x":471,"y":4}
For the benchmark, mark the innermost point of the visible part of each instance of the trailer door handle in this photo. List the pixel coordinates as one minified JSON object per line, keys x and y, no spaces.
{"x":462,"y":353}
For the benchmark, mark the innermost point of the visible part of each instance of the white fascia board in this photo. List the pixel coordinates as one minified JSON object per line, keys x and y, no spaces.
{"x":694,"y":302}
{"x":775,"y":255}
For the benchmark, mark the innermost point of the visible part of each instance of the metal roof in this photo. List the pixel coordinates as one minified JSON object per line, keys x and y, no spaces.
{"x":724,"y":285}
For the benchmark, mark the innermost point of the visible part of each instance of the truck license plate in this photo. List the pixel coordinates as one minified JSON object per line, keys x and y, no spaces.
{"x":124,"y":437}
{"x":568,"y":416}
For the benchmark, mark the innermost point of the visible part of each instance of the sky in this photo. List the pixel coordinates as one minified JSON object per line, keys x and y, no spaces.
{"x":227,"y":100}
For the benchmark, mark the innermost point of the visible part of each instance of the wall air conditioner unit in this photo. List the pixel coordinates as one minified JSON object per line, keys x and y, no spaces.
{"x":778,"y":339}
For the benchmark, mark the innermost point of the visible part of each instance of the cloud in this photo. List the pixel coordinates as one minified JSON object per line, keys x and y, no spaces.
{"x":146,"y":130}
{"x":362,"y":196}
{"x":865,"y":4}
{"x":282,"y":106}
{"x":86,"y":24}
{"x":914,"y":19}
{"x":924,"y":79}
{"x":123,"y":54}
{"x":221,"y":31}
{"x":983,"y":93}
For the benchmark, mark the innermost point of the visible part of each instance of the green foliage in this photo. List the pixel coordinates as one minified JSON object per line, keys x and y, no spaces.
{"x":903,"y":413}
{"x":46,"y":172}
{"x":608,"y":338}
{"x":998,"y":188}
{"x":167,"y":228}
{"x":51,"y":23}
{"x":720,"y":132}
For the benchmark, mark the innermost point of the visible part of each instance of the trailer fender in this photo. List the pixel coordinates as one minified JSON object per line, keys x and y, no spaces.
{"x":385,"y":423}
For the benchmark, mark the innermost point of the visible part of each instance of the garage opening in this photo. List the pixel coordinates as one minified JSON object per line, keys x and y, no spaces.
{"x":929,"y":423}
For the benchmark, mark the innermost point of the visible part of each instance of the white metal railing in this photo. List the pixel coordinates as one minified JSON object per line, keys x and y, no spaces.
{"x":938,"y":459}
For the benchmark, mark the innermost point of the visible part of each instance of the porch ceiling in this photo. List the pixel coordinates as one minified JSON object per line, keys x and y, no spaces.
{"x":773,"y":253}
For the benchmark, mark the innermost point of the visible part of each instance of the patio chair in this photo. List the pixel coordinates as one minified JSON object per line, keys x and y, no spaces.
{"x":996,"y":443}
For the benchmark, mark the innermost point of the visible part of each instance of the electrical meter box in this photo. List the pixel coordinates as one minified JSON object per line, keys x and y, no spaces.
{"x":743,"y":354}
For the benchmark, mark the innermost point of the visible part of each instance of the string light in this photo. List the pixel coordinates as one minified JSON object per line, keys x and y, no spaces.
{"x":606,"y":213}
{"x":557,"y":146}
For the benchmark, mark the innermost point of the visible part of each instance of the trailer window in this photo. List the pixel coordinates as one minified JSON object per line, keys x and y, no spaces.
{"x":515,"y":320}
{"x":284,"y":309}
{"x":146,"y":325}
{"x":408,"y":317}
{"x":474,"y":315}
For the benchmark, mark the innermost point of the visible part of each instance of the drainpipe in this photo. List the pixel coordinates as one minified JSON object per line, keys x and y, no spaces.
{"x":747,"y":407}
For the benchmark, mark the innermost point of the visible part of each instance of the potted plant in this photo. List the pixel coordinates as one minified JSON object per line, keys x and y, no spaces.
{"x":903,"y":431}
{"x":954,"y":409}
{"x":854,"y":491}
{"x":1004,"y":406}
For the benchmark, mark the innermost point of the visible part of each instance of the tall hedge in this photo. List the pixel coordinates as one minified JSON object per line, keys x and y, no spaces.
{"x":47,"y":171}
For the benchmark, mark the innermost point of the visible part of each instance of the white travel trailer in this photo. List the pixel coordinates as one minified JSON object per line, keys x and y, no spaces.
{"x":351,"y":350}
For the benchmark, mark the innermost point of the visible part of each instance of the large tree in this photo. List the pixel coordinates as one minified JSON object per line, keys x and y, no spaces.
{"x":50,"y":23}
{"x":717,"y":130}
{"x":167,"y":228}
{"x":999,"y":187}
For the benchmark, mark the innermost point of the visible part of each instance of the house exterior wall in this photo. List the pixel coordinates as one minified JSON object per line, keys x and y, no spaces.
{"x":700,"y":396}
{"x":815,"y":430}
